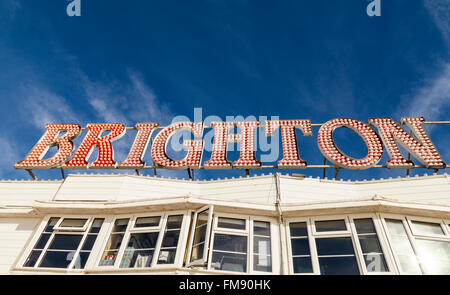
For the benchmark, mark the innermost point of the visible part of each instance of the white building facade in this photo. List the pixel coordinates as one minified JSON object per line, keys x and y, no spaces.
{"x":270,"y":224}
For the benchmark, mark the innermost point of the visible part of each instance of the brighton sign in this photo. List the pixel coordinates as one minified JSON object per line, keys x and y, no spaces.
{"x":390,"y":134}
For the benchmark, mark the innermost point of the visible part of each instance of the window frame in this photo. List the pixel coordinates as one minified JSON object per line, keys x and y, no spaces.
{"x":205,"y":257}
{"x":58,"y":226}
{"x":349,"y":232}
{"x":405,"y":219}
{"x":131,"y":229}
{"x":40,"y":230}
{"x":249,"y":233}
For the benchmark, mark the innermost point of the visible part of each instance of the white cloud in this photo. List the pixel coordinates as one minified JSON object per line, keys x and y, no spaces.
{"x":433,"y":98}
{"x":126,"y":102}
{"x":41,"y":106}
{"x":9,"y":156}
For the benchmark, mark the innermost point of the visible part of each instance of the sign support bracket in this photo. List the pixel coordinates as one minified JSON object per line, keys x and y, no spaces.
{"x":31,"y":174}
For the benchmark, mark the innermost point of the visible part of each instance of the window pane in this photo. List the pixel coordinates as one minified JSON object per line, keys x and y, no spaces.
{"x":81,"y":260}
{"x":120,"y":225}
{"x":167,"y":256}
{"x":174,"y":221}
{"x":375,"y":262}
{"x":57,"y":259}
{"x":334,"y":246}
{"x":300,"y":246}
{"x":51,"y":223}
{"x":200,"y":234}
{"x":330,"y":225}
{"x":73,"y":222}
{"x":231,"y":223}
{"x":171,"y":238}
{"x":65,"y":242}
{"x":42,"y":241}
{"x":262,"y":263}
{"x":231,"y":243}
{"x":402,"y":247}
{"x":229,"y":261}
{"x":143,"y":240}
{"x":370,"y":244}
{"x":364,"y":226}
{"x":197,"y":251}
{"x":434,"y":256}
{"x":302,"y":265}
{"x":202,"y":218}
{"x":199,"y":239}
{"x":32,"y":259}
{"x":114,"y":242}
{"x":89,"y":242}
{"x":338,"y":265}
{"x":96,"y":225}
{"x":136,"y":258}
{"x":261,"y":228}
{"x":426,"y":228}
{"x":109,"y":257}
{"x":298,"y":229}
{"x":262,"y":260}
{"x":147,"y":221}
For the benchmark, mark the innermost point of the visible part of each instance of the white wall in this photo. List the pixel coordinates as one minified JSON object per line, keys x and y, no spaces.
{"x":14,"y":234}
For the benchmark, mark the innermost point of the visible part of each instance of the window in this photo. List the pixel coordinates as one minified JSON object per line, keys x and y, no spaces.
{"x":335,"y":246}
{"x":231,"y":243}
{"x":65,"y":243}
{"x":374,"y":259}
{"x":419,"y":245}
{"x":241,"y":245}
{"x":301,"y":253}
{"x":200,"y":233}
{"x":143,"y":241}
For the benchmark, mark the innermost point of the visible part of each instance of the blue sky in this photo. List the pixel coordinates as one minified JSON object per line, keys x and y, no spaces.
{"x":143,"y":61}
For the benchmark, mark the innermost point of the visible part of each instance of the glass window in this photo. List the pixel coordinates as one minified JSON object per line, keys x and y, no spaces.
{"x":301,"y":254}
{"x":426,"y":228}
{"x":229,"y":252}
{"x":147,"y":221}
{"x":246,"y":250}
{"x":262,"y":253}
{"x":137,"y":246}
{"x":434,"y":256}
{"x":72,"y":223}
{"x":330,"y":225}
{"x":231,"y":223}
{"x":115,"y":241}
{"x":402,"y":247}
{"x":370,"y":245}
{"x":56,"y":249}
{"x":336,"y":256}
{"x":170,"y":240}
{"x":200,"y":231}
{"x":139,"y":250}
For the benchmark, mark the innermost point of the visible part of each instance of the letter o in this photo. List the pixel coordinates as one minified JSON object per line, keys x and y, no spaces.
{"x":330,"y":151}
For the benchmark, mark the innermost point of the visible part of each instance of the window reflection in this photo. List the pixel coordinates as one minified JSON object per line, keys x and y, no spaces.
{"x":301,"y":254}
{"x":370,"y":246}
{"x":402,"y":247}
{"x":336,"y":256}
{"x":229,"y":252}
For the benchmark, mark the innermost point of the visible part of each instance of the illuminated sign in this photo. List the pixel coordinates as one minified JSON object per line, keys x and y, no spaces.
{"x":390,"y":134}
